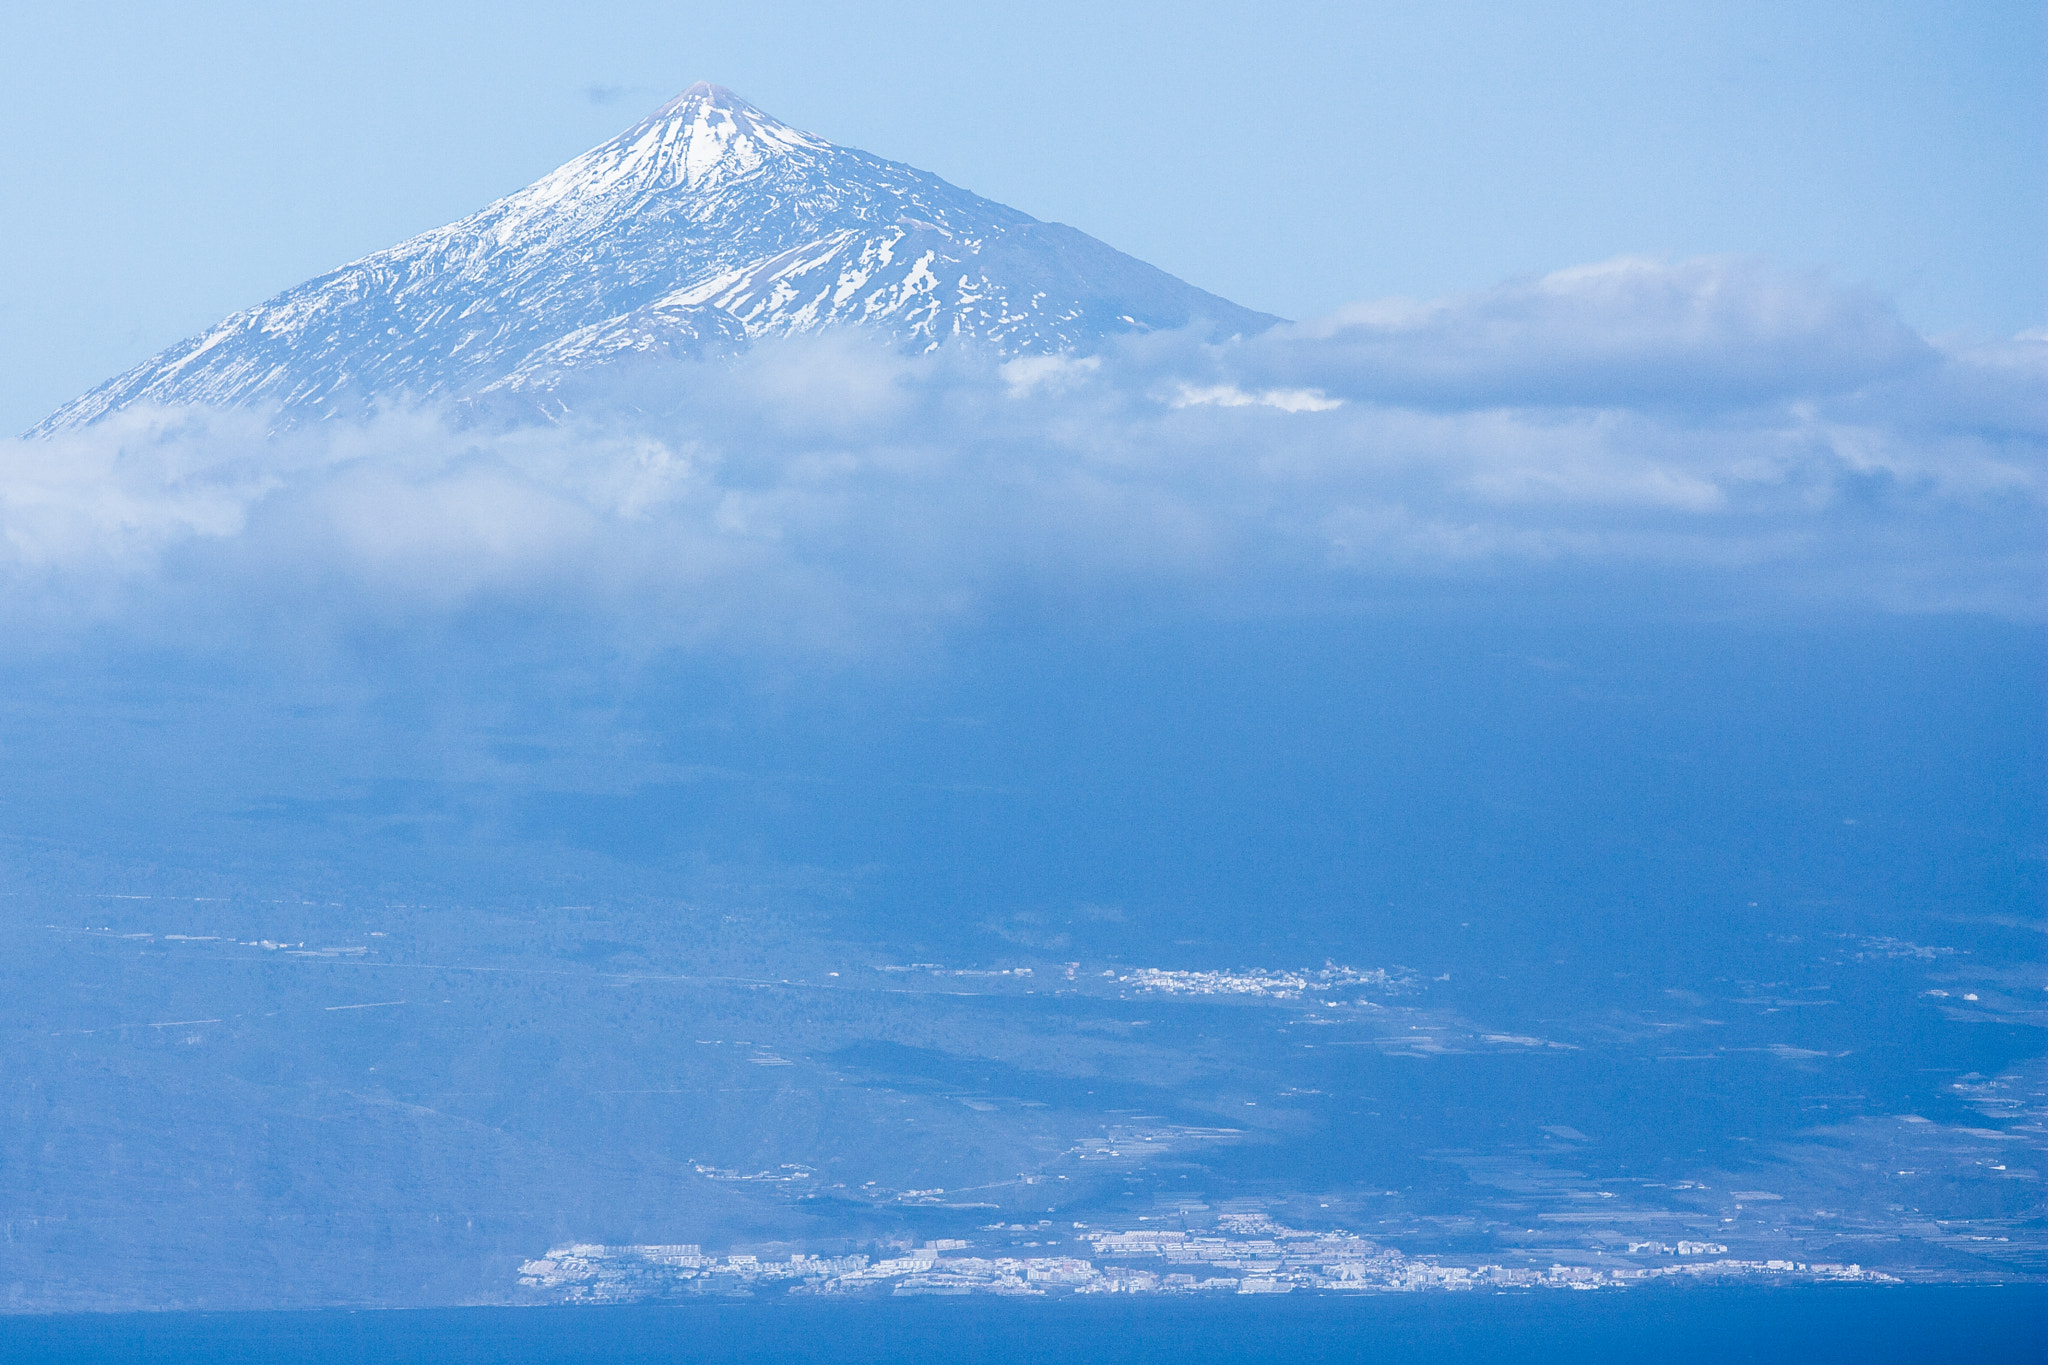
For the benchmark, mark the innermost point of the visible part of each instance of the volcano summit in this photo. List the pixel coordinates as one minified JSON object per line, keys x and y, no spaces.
{"x":704,"y":226}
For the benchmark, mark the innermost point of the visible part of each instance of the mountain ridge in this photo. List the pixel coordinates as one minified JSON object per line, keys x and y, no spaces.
{"x":706,"y":226}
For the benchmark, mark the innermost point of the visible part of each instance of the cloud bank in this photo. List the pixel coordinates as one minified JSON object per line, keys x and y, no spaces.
{"x":1711,"y":422}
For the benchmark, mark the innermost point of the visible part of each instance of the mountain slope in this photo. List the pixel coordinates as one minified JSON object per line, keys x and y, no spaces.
{"x":706,"y":225}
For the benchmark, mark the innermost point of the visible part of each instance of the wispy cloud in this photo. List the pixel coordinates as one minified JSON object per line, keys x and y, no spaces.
{"x":601,"y":94}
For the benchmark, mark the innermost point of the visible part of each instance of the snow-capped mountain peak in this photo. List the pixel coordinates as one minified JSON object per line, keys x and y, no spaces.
{"x":703,"y":137}
{"x":707,"y":225}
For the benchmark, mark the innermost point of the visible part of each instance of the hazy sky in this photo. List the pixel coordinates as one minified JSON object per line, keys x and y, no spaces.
{"x":166,"y":163}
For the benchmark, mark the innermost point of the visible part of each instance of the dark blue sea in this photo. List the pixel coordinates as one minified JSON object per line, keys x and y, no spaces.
{"x":1812,"y":1326}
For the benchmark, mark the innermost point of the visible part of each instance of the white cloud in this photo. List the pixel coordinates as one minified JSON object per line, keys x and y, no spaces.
{"x":1629,"y":332}
{"x":1708,"y":419}
{"x":1231,"y":396}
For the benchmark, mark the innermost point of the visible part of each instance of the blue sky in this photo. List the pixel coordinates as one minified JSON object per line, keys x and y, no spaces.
{"x":168,"y":164}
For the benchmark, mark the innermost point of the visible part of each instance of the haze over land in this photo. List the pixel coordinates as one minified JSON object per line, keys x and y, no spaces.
{"x":747,"y":698}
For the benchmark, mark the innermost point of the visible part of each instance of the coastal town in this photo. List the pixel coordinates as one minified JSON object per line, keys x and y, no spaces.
{"x":1245,"y":1255}
{"x":1269,"y":985}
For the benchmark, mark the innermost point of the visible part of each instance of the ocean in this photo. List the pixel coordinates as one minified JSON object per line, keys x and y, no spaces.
{"x":1810,"y":1325}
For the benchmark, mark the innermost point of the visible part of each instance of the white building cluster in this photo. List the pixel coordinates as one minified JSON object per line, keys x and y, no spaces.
{"x":1257,"y":982}
{"x":1260,"y":1258}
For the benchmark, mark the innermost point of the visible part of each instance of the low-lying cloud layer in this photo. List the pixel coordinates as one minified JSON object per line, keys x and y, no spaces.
{"x":1712,"y":420}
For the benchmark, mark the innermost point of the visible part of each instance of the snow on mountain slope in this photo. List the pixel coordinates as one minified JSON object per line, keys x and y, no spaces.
{"x":706,"y":225}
